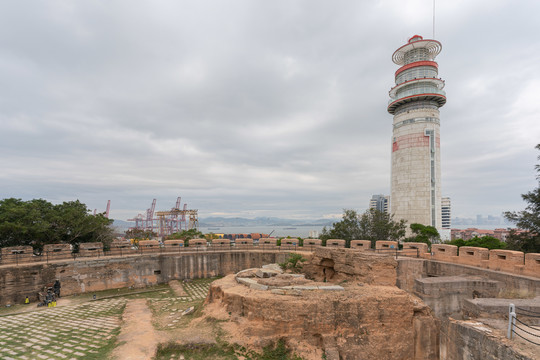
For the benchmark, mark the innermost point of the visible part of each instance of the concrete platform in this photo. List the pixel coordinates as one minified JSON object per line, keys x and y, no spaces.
{"x":527,"y":309}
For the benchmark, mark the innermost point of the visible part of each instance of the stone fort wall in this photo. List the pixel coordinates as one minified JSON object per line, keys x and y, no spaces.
{"x":23,"y":274}
{"x":96,"y":274}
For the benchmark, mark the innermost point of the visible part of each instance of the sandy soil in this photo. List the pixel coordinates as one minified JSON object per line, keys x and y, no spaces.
{"x":138,"y":339}
{"x":177,"y":288}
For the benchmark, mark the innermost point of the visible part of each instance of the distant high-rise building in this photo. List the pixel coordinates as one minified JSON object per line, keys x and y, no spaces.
{"x":416,"y":159}
{"x":446,"y":212}
{"x":379,"y":202}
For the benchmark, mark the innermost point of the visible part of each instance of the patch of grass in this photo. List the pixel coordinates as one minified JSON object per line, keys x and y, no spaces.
{"x":293,"y":263}
{"x":277,"y":351}
{"x":105,"y":350}
{"x":223,"y":351}
{"x":516,"y":294}
{"x":195,"y":352}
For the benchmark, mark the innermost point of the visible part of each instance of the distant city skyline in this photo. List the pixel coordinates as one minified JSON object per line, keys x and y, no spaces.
{"x":258,"y":108}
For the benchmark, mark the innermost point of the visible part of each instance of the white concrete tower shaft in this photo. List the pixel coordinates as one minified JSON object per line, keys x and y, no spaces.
{"x":416,"y":159}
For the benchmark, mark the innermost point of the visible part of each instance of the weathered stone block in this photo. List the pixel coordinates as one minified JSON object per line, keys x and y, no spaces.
{"x":335,"y":243}
{"x":470,"y":255}
{"x":443,"y":251}
{"x":386,"y":245}
{"x":91,"y":249}
{"x":361,"y":244}
{"x":532,"y":265}
{"x":505,"y":260}
{"x":290,"y":244}
{"x":17,"y":254}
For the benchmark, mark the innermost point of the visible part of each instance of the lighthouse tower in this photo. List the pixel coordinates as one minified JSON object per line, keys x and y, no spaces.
{"x":416,"y":159}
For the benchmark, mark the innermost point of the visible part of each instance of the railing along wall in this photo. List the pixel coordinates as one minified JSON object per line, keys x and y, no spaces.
{"x":520,"y":324}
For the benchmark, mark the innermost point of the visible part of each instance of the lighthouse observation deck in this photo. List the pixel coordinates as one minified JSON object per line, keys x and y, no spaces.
{"x":417,"y":78}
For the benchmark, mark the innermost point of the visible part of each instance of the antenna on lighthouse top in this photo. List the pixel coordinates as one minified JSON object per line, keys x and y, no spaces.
{"x":433,"y":19}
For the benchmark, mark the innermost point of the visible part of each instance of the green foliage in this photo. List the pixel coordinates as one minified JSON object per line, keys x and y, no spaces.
{"x":195,"y":351}
{"x":457,"y":242}
{"x":211,"y":236}
{"x":140,"y":234}
{"x":528,"y":219}
{"x":527,"y":242}
{"x":371,"y":225}
{"x":38,"y":222}
{"x":293,"y":262}
{"x":186,"y":235}
{"x":423,"y":234}
{"x":223,"y":351}
{"x":488,"y":242}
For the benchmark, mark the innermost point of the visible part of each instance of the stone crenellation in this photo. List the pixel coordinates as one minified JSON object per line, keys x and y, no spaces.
{"x":500,"y":260}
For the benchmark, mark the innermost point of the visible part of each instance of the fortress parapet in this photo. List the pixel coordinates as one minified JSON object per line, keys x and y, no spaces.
{"x":310,"y":244}
{"x":198,"y":244}
{"x":121,"y":247}
{"x":532,"y":264}
{"x":444,"y":252}
{"x":174,"y":245}
{"x":505,"y":260}
{"x":361,"y":245}
{"x":476,"y":256}
{"x":386,"y":245}
{"x":244,"y":244}
{"x":268,"y":243}
{"x":17,"y":254}
{"x":91,"y":249}
{"x":149,"y":246}
{"x":221,"y":244}
{"x":57,"y":251}
{"x":410,"y":247}
{"x":290,"y":244}
{"x":335,"y":243}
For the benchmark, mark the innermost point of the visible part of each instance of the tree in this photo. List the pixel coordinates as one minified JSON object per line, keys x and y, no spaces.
{"x":423,"y":233}
{"x":186,"y":235}
{"x":371,"y":225}
{"x":528,"y":219}
{"x":38,"y":222}
{"x":488,"y":242}
{"x":140,"y":234}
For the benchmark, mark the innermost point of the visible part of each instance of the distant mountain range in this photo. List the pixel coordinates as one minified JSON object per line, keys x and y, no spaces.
{"x":261,"y":221}
{"x":238,"y":221}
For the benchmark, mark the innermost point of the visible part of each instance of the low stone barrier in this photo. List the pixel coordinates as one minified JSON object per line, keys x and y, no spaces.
{"x":221,"y":244}
{"x":312,"y":243}
{"x":335,"y":243}
{"x":290,"y":244}
{"x":243,"y":244}
{"x":57,"y":251}
{"x":268,"y":243}
{"x":174,"y":245}
{"x":91,"y":249}
{"x":505,"y":260}
{"x":532,"y":264}
{"x":421,"y":249}
{"x":475,"y":256}
{"x":197,"y":243}
{"x":444,"y":252}
{"x":149,"y":246}
{"x":385,"y":244}
{"x":121,"y":247}
{"x":361,"y":244}
{"x":17,"y":254}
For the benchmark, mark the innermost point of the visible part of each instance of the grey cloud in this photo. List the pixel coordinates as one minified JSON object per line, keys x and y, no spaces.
{"x":256,"y":107}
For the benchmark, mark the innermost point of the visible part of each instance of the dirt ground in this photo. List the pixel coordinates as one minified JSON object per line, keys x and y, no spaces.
{"x":138,"y":340}
{"x":177,"y":288}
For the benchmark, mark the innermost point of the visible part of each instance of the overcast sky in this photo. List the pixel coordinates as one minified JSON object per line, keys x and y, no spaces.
{"x":258,"y":108}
